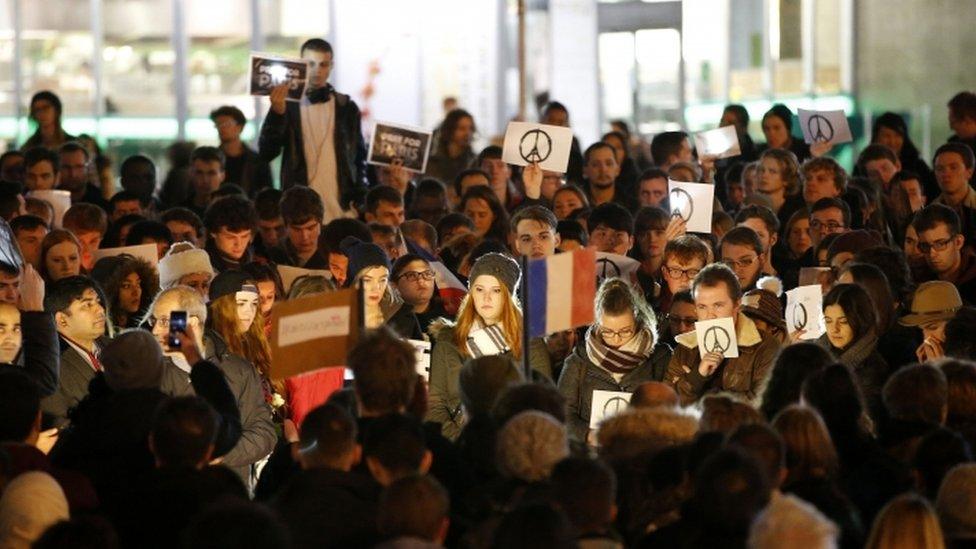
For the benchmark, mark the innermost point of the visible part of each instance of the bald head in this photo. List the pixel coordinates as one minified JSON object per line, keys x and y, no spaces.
{"x":652,"y":394}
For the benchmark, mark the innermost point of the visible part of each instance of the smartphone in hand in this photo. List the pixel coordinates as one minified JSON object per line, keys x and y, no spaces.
{"x":177,"y":325}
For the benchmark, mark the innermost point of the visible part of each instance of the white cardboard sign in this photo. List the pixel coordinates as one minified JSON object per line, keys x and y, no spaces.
{"x":804,"y":311}
{"x":610,"y":265}
{"x":528,"y":143}
{"x":58,"y":199}
{"x":314,"y":324}
{"x":148,"y":252}
{"x":825,"y":127}
{"x":606,"y":404}
{"x":720,"y":143}
{"x":422,"y":350}
{"x":717,"y":335}
{"x":692,"y":202}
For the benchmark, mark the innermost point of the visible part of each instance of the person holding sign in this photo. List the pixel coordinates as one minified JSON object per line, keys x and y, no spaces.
{"x":489,"y":322}
{"x":621,"y":352}
{"x":694,"y":373}
{"x":777,"y":127}
{"x":320,"y":136}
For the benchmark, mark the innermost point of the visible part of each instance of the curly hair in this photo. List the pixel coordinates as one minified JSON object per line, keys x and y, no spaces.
{"x":148,"y":282}
{"x":789,"y":168}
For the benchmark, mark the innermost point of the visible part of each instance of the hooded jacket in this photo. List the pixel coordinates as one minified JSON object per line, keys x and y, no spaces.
{"x":745,"y":375}
{"x":446,"y":361}
{"x":580,"y":377}
{"x":283,"y":132}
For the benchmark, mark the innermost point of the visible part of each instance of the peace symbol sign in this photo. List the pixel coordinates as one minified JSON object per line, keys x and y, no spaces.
{"x":614,"y":406}
{"x":799,"y":316}
{"x":681,"y":203}
{"x":535,"y":146}
{"x":606,"y":268}
{"x":717,"y":340}
{"x":820,"y":128}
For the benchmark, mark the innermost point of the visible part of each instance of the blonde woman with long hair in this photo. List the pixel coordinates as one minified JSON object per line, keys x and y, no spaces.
{"x":907,"y":522}
{"x":489,"y":322}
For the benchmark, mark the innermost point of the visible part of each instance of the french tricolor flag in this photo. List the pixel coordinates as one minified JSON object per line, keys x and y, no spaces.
{"x":451,"y":290}
{"x":561,"y":290}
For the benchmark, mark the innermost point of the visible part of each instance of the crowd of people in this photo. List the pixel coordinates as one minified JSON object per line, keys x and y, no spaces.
{"x":140,"y":404}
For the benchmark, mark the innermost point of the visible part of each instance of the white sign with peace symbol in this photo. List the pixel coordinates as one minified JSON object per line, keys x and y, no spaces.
{"x":528,"y":143}
{"x":804,"y":311}
{"x":717,"y":335}
{"x":606,"y":404}
{"x":692,"y":202}
{"x":825,"y":127}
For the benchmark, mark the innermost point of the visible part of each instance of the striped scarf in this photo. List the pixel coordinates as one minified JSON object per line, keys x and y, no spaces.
{"x":622,"y":359}
{"x":487,"y":341}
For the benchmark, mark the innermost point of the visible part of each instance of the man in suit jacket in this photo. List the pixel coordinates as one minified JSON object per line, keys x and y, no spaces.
{"x":79,"y":316}
{"x":321,"y":136}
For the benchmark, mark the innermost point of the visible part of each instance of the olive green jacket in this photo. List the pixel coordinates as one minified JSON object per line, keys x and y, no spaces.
{"x":446,"y":360}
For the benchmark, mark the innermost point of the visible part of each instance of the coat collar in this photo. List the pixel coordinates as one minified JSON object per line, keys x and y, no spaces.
{"x":746,"y":334}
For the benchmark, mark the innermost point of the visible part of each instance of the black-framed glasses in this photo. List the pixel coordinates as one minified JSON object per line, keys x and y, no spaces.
{"x":938,"y":245}
{"x":831,"y":226}
{"x":416,"y":276}
{"x":623,"y":333}
{"x":679,"y":273}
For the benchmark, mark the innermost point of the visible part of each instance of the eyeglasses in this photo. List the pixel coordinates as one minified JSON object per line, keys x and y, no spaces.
{"x":625,"y":333}
{"x":938,"y":245}
{"x":681,"y":273}
{"x":743,"y":263}
{"x":831,"y":226}
{"x":416,"y":276}
{"x":162,"y":321}
{"x":675,"y":319}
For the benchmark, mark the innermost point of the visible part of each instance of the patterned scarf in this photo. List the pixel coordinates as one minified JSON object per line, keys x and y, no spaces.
{"x":622,"y":359}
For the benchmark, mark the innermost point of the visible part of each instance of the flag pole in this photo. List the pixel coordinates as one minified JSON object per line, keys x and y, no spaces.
{"x":524,"y":297}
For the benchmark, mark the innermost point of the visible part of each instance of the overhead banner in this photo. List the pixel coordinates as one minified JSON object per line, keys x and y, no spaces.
{"x":313,"y":332}
{"x":392,"y":142}
{"x":267,"y":71}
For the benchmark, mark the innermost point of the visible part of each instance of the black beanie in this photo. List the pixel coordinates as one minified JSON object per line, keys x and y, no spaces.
{"x":361,"y":255}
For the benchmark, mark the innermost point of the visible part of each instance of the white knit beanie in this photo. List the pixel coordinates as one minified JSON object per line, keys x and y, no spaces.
{"x":31,"y":503}
{"x":183,"y":258}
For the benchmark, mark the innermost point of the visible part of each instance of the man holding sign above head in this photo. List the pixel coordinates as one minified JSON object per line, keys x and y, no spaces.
{"x":736,"y":362}
{"x":320,"y":136}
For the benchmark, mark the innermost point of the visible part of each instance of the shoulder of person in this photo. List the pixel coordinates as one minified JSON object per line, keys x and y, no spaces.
{"x":441,"y":330}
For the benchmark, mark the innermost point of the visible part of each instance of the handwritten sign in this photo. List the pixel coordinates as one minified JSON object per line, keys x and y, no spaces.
{"x":328,"y":322}
{"x":528,"y":143}
{"x":59,"y":200}
{"x":693,"y":203}
{"x":606,"y":404}
{"x":290,"y":274}
{"x":407,"y":144}
{"x":717,"y":336}
{"x":610,"y":265}
{"x":313,"y":332}
{"x":825,"y":127}
{"x":804,"y":311}
{"x":267,"y":71}
{"x":719,"y":143}
{"x":422,"y":350}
